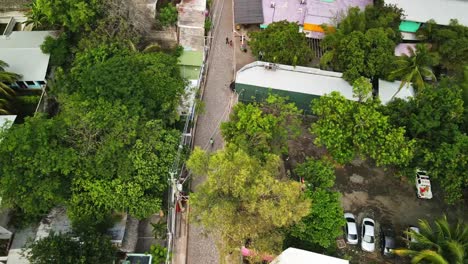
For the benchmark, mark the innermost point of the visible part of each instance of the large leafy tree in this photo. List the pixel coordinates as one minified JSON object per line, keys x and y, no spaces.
{"x":70,"y":14}
{"x":433,"y":118}
{"x":123,"y":162}
{"x":281,"y":43}
{"x":415,"y":68}
{"x":347,"y":128}
{"x":360,"y":53}
{"x":244,"y":198}
{"x":168,"y":15}
{"x":363,"y":43}
{"x":324,"y":222}
{"x":72,"y":248}
{"x":441,"y":243}
{"x":261,"y":128}
{"x":450,"y":43}
{"x":150,"y":82}
{"x":36,"y":167}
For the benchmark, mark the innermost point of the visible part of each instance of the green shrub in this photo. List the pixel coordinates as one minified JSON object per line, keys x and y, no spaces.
{"x":168,"y":15}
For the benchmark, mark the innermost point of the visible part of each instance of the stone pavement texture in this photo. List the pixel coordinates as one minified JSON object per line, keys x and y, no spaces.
{"x":218,"y":100}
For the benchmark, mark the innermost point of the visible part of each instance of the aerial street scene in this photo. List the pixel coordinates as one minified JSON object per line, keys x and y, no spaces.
{"x":233,"y":131}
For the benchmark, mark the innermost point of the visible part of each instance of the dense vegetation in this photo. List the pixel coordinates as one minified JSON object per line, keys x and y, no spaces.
{"x":427,"y":131}
{"x":281,"y":43}
{"x":109,"y":143}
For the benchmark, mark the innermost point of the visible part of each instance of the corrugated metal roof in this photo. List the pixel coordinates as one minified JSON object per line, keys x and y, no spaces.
{"x":311,"y":81}
{"x":248,"y":12}
{"x":299,"y":256}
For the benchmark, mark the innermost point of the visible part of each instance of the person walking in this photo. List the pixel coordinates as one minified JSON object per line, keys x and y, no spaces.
{"x":230,"y":43}
{"x":227,"y":40}
{"x":211,"y":142}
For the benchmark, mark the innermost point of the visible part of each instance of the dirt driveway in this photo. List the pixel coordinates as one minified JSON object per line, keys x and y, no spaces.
{"x":368,"y":191}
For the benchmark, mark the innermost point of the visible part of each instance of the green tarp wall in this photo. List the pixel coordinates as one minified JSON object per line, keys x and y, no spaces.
{"x":250,"y":93}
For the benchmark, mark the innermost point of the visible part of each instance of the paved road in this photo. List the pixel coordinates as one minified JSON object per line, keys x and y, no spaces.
{"x":217,"y":97}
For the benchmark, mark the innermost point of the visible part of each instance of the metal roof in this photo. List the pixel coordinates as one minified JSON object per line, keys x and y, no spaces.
{"x":248,"y":12}
{"x":439,"y":10}
{"x":299,"y":256}
{"x":311,"y":81}
{"x":22,"y":51}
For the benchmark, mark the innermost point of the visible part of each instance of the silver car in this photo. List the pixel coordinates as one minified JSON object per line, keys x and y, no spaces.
{"x":351,"y":232}
{"x":368,"y":235}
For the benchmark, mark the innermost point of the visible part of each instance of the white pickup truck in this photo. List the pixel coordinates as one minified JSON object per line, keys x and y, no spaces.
{"x":423,"y":185}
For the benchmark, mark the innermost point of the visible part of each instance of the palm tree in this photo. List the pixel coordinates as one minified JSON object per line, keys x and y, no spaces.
{"x":443,"y":244}
{"x":415,"y":68}
{"x":35,"y":17}
{"x":6,"y":93}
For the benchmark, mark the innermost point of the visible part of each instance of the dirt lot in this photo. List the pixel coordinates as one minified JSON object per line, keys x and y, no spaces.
{"x":368,"y":191}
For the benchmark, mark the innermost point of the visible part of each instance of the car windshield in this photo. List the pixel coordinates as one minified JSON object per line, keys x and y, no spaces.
{"x":353,"y":237}
{"x":350,"y":220}
{"x":368,"y":239}
{"x":368,"y":223}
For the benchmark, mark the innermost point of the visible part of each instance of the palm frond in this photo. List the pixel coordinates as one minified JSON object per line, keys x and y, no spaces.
{"x":457,"y":251}
{"x":429,"y":255}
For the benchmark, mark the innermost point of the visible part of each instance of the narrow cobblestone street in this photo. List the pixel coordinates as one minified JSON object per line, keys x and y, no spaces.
{"x":218,"y":100}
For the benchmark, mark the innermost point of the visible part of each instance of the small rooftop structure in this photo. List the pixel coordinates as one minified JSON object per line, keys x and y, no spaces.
{"x":404,"y":49}
{"x":442,"y":11}
{"x":302,"y":84}
{"x":22,"y":51}
{"x":248,"y":12}
{"x":299,"y":256}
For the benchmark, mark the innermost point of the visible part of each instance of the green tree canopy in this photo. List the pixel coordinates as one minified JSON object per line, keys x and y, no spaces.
{"x":440,"y":243}
{"x":124,"y":162}
{"x":281,"y":42}
{"x":359,"y":53}
{"x":168,"y":15}
{"x":36,"y":167}
{"x":450,"y":43}
{"x":317,"y":173}
{"x":349,"y":128}
{"x":363,"y":43}
{"x":261,"y":128}
{"x":150,"y":82}
{"x":72,"y":248}
{"x":433,"y":118}
{"x":70,"y":14}
{"x":244,"y":198}
{"x":324,"y":222}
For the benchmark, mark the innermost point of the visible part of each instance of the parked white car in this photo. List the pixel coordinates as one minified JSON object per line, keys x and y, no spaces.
{"x":351,"y":232}
{"x":423,"y":185}
{"x":368,"y":235}
{"x":409,"y":238}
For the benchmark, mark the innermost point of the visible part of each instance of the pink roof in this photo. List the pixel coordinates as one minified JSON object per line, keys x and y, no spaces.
{"x":313,"y":11}
{"x":402,"y":48}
